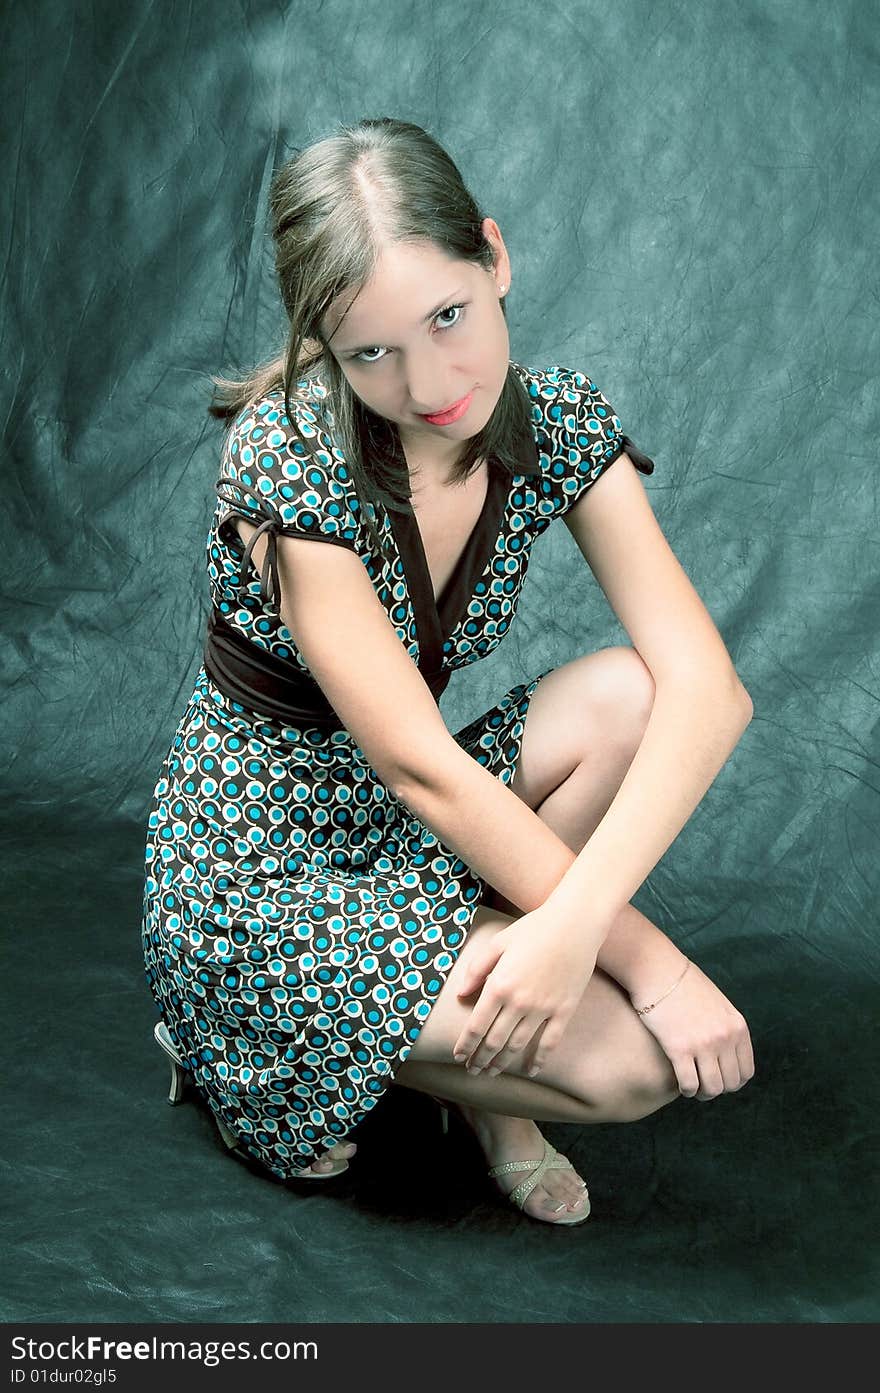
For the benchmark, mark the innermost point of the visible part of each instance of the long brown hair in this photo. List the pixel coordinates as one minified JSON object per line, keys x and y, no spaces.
{"x":329,"y":229}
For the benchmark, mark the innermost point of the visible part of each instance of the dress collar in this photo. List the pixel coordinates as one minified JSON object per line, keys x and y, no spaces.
{"x":526,"y":450}
{"x":437,"y":619}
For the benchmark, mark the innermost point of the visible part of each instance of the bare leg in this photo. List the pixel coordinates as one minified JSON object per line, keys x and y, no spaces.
{"x":608,"y":1067}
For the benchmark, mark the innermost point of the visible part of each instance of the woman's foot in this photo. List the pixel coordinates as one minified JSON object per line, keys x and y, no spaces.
{"x":330,"y":1160}
{"x":559,"y":1194}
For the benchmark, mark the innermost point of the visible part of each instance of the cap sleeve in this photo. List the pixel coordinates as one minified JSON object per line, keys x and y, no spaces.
{"x":582,"y":437}
{"x":290,"y":481}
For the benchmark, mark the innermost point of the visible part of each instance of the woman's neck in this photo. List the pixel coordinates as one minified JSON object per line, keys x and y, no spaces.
{"x":432,"y":471}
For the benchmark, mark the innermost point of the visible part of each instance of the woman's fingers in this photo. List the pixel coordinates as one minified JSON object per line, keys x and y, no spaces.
{"x":509,"y":1031}
{"x":480,"y":1022}
{"x":731,"y":1074}
{"x":711,"y":1077}
{"x":521,"y":1050}
{"x":720,"y":1073}
{"x":707,"y":1076}
{"x":685,"y":1067}
{"x":746,"y":1057}
{"x":528,"y":1057}
{"x":478,"y":969}
{"x":539,"y":1035}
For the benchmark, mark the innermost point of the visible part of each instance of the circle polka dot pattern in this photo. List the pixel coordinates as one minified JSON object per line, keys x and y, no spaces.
{"x":299,"y":921}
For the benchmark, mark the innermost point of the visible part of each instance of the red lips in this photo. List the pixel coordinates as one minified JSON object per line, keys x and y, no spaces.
{"x":451,"y":413}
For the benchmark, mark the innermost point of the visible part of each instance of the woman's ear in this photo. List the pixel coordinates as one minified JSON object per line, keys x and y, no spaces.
{"x":501,"y":269}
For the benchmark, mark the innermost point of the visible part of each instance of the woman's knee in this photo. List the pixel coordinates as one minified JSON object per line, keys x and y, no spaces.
{"x":624,"y":695}
{"x":607,"y":1067}
{"x":609,"y":1059}
{"x":640,"y":1097}
{"x":631,"y":1092}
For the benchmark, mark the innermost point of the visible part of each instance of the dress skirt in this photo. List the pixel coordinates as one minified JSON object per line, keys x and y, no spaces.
{"x":299,"y":921}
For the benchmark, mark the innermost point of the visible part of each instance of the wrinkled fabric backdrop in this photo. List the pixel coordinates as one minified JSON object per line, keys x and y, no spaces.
{"x":689,"y":194}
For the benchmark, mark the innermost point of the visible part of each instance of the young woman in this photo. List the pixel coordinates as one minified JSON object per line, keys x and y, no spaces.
{"x":340,"y":894}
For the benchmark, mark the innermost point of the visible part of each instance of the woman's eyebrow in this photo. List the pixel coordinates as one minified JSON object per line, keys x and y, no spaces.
{"x":425,"y":318}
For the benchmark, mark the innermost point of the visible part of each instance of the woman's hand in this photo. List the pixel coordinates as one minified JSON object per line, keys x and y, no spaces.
{"x":533,"y":974}
{"x":704,"y":1037}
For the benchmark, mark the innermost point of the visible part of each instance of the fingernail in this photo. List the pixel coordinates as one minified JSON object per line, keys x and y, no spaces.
{"x":475,"y":1068}
{"x":493,"y":1072}
{"x":559,"y":1208}
{"x":459,"y":1057}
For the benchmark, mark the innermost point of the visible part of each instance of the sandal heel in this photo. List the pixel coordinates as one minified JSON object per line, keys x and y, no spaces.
{"x":179,"y":1075}
{"x":444,"y":1113}
{"x":178,"y":1069}
{"x":230,"y":1140}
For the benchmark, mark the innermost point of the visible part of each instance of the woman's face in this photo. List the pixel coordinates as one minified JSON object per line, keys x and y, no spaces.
{"x":423,"y":333}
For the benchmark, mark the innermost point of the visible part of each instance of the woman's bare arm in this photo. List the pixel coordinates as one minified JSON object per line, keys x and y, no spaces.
{"x":691,"y":733}
{"x":700,"y":711}
{"x":329,"y":606}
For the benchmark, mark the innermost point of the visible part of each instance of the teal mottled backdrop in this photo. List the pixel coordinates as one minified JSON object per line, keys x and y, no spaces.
{"x":689,"y":194}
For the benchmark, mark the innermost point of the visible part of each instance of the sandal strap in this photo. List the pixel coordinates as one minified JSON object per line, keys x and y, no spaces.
{"x":551,"y":1160}
{"x":163,"y":1039}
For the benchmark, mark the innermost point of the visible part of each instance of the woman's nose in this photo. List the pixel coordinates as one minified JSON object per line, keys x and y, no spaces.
{"x":426,"y":391}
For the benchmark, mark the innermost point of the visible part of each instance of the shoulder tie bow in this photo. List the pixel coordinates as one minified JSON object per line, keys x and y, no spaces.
{"x":271,"y":526}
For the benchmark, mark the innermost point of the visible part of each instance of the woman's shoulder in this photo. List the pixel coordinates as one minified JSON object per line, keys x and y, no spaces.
{"x":578,"y":432}
{"x":269,"y":418}
{"x":286,"y":438}
{"x":547,"y":385}
{"x":285,"y":454}
{"x":569,"y":410}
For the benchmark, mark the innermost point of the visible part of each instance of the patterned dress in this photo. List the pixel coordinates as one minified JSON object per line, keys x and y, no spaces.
{"x":299,"y":921}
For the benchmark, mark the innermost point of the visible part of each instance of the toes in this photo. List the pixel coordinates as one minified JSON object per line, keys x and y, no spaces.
{"x":343,"y":1151}
{"x":579,"y":1202}
{"x":551,"y":1206}
{"x":545,"y":1205}
{"x":576,"y":1197}
{"x":559,"y":1191}
{"x":565,"y":1185}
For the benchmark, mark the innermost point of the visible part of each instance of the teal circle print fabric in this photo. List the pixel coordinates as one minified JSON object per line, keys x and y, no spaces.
{"x":299,"y":921}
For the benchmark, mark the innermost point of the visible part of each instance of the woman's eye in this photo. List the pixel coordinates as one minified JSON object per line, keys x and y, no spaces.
{"x":447,"y":309}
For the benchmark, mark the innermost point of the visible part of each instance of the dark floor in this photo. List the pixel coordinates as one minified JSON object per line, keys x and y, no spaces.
{"x":757,"y":1207}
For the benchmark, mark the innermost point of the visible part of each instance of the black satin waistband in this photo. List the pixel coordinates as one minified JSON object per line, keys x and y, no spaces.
{"x":255,"y":678}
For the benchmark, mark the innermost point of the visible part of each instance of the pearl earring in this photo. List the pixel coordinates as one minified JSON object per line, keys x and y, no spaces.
{"x":503,"y":288}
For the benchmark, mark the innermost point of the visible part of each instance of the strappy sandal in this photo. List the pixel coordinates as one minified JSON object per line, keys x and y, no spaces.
{"x":179,"y":1076}
{"x":551,"y":1160}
